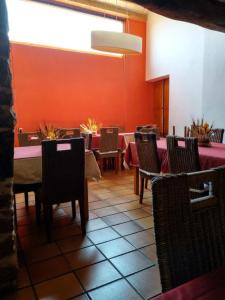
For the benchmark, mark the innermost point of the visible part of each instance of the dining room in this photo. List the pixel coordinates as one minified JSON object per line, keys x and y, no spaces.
{"x":112,"y":166}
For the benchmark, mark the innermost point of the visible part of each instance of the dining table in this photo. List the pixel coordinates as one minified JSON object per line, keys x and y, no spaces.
{"x":210,"y":157}
{"x":209,"y":286}
{"x":28,"y":167}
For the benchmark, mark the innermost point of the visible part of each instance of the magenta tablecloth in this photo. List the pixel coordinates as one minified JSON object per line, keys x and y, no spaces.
{"x":210,"y":157}
{"x":207,"y":287}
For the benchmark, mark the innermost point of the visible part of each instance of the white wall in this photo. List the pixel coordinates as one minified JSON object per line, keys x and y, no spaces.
{"x":194,"y":59}
{"x":213,"y":98}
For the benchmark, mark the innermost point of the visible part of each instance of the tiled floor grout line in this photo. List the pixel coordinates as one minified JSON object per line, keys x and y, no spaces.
{"x":123,"y":276}
{"x":93,"y":244}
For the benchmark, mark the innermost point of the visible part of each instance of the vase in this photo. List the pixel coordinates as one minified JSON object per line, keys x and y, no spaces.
{"x":203,"y":140}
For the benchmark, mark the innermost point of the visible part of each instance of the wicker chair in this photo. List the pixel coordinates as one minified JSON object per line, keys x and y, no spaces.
{"x":87,"y":140}
{"x":67,"y":133}
{"x":146,"y":126}
{"x":63,"y":180}
{"x":190,"y":236}
{"x":216,"y":135}
{"x":28,"y":139}
{"x":149,"y":164}
{"x":182,"y":158}
{"x":149,"y":129}
{"x":121,"y":128}
{"x":108,"y":146}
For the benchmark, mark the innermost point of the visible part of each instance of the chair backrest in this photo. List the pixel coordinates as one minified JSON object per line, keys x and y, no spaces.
{"x":145,"y":127}
{"x":87,"y":140}
{"x":147,"y":152}
{"x":151,"y":128}
{"x":216,"y":135}
{"x":190,"y":237}
{"x":68,"y":133}
{"x":182,"y":158}
{"x":63,"y":165}
{"x":29,"y":138}
{"x":108,"y":139}
{"x":121,"y":128}
{"x":186,"y":131}
{"x":174,"y":130}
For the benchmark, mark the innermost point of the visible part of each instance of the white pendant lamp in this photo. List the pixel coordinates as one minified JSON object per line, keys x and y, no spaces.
{"x":116,"y":42}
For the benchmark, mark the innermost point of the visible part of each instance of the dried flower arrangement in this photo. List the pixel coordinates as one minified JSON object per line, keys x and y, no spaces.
{"x":91,"y":126}
{"x":201,"y":130}
{"x":48,"y":131}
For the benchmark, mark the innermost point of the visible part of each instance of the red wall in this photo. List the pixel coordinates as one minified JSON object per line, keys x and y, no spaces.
{"x":65,"y":88}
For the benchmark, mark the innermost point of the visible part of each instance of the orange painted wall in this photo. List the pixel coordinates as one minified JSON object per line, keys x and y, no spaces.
{"x":65,"y":87}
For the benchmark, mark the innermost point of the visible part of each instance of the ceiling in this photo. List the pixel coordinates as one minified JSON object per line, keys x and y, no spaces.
{"x":206,"y":13}
{"x":118,"y":7}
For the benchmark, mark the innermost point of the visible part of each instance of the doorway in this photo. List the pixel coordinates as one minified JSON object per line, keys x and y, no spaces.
{"x":161,"y":104}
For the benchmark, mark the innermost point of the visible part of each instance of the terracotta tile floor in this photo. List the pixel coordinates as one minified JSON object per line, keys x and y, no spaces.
{"x":116,"y":260}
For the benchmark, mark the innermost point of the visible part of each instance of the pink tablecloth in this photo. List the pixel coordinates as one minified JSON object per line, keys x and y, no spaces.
{"x":28,"y":164}
{"x":210,"y":157}
{"x":208,"y":287}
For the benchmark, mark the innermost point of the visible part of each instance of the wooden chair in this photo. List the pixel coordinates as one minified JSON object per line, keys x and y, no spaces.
{"x":121,"y":128}
{"x":63,"y":171}
{"x":151,"y":128}
{"x":26,"y":188}
{"x":186,"y":131}
{"x":87,"y":140}
{"x":29,"y":138}
{"x":149,"y":164}
{"x":108,"y":146}
{"x":174,"y":130}
{"x":68,"y":133}
{"x":190,"y":236}
{"x":216,"y":135}
{"x":182,"y":158}
{"x":146,"y":126}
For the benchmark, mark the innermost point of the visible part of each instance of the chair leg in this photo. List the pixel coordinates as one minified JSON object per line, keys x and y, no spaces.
{"x":146,"y":183}
{"x":26,"y":196}
{"x":142,"y":190}
{"x":73,"y":203}
{"x":116,"y":164}
{"x":15,"y":215}
{"x":47,"y":216}
{"x":37,"y":194}
{"x":82,"y":216}
{"x":101,"y":164}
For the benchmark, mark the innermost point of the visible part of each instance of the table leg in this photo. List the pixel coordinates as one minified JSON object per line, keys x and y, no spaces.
{"x":136,"y":180}
{"x":86,"y":212}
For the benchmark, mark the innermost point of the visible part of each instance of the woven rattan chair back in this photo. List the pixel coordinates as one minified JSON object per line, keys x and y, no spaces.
{"x":87,"y":140}
{"x":216,"y":135}
{"x":29,"y":138}
{"x":145,"y":127}
{"x":185,"y":157}
{"x":190,"y":237}
{"x":121,"y":128}
{"x":68,"y":133}
{"x":147,"y":153}
{"x":63,"y":171}
{"x":108,"y":139}
{"x":149,"y":129}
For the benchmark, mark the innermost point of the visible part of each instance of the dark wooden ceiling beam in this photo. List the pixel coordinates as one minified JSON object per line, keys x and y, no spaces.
{"x":207,"y":13}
